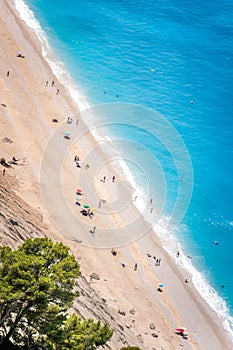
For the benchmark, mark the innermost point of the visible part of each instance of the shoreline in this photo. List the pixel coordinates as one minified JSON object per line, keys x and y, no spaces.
{"x":159,"y":274}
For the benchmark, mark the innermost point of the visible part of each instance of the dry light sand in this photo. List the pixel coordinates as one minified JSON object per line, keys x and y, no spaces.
{"x":26,"y":112}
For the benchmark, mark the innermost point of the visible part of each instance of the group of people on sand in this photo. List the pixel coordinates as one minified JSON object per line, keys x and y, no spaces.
{"x":157,"y":261}
{"x":52,"y":85}
{"x":104,"y":179}
{"x":87,"y":212}
{"x":19,"y":54}
{"x":77,"y":161}
{"x":8,"y":164}
{"x":114,"y":253}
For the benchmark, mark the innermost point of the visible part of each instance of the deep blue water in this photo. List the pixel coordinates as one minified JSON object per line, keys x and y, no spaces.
{"x":163,"y":55}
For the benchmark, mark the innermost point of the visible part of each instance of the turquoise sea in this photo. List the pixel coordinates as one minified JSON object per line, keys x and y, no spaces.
{"x":174,"y":60}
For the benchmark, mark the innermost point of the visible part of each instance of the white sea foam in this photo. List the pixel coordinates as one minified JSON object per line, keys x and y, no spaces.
{"x":206,"y":291}
{"x":122,"y":168}
{"x":138,"y":192}
{"x":170,"y":243}
{"x":57,"y":66}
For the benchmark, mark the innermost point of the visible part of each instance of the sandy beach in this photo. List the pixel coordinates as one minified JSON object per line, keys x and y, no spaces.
{"x":48,"y":178}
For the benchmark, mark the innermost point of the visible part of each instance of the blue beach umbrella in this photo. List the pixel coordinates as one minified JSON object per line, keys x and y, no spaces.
{"x":67,"y":134}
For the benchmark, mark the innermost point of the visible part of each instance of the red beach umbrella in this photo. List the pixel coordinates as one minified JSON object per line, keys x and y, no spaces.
{"x":78,"y":190}
{"x":181,"y":329}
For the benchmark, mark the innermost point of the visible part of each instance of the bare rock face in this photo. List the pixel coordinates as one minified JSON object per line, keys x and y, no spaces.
{"x":18,"y":221}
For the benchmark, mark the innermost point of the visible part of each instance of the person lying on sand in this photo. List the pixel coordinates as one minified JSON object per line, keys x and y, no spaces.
{"x":113,"y":251}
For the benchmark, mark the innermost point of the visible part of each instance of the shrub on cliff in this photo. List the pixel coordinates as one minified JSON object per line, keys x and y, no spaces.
{"x":36,"y":292}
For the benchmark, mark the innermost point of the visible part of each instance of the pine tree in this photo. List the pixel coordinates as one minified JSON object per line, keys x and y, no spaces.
{"x":36,"y":292}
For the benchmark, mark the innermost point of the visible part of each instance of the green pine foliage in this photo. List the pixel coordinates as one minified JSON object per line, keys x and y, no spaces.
{"x":36,"y":292}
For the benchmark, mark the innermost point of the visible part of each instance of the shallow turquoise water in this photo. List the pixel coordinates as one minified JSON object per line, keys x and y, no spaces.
{"x":163,"y":55}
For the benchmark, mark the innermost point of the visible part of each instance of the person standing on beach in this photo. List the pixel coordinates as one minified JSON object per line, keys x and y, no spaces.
{"x":135,"y":198}
{"x":57,"y":91}
{"x":69,"y":120}
{"x":4,"y":172}
{"x":135,"y":266}
{"x":93,"y":230}
{"x":8,"y":73}
{"x":52,"y":84}
{"x":113,"y":178}
{"x":104,"y":178}
{"x":46,"y":84}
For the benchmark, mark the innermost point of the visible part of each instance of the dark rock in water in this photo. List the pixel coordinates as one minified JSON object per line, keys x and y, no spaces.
{"x":94,"y":276}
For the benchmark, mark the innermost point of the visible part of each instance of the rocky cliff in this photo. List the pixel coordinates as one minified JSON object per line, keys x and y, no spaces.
{"x":18,"y":221}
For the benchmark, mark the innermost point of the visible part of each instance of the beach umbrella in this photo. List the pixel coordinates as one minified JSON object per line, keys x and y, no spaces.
{"x":160,"y":285}
{"x":67,"y":135}
{"x":181,"y":329}
{"x":86,"y":206}
{"x":78,"y":190}
{"x":78,"y":199}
